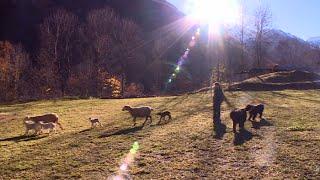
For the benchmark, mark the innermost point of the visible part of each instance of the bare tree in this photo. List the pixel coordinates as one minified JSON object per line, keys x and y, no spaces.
{"x":290,"y":51}
{"x":262,"y":24}
{"x":116,"y":43}
{"x":56,"y":36}
{"x":127,"y":52}
{"x":19,"y":63}
{"x":14,"y":61}
{"x":242,"y":33}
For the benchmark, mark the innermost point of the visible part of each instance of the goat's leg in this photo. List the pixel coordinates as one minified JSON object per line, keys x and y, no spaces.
{"x":134,"y":121}
{"x":160,"y":120}
{"x":38,"y":132}
{"x":241,"y":125}
{"x":234,"y":127}
{"x":145,"y":121}
{"x":261,"y":114}
{"x":150,"y":119}
{"x":169,"y":117}
{"x":254,"y":117}
{"x":60,"y":125}
{"x":250,"y":117}
{"x":27,"y":132}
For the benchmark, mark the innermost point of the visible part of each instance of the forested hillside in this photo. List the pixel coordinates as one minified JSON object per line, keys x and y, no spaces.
{"x":129,"y":48}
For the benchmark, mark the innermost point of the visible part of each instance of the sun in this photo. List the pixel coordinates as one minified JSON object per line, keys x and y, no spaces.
{"x":214,"y":12}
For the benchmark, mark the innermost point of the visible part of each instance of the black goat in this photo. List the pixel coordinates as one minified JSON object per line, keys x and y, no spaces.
{"x":238,"y":116}
{"x":163,"y":115}
{"x":254,"y":110}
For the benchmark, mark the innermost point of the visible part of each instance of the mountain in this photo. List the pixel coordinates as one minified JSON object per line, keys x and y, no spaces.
{"x":314,"y":41}
{"x":288,"y":51}
{"x":292,"y":52}
{"x":19,"y":19}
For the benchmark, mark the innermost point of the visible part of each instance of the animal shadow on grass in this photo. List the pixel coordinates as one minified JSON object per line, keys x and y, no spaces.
{"x":85,"y":130}
{"x":23,"y":138}
{"x":261,"y":123}
{"x":242,"y":137}
{"x":122,"y":132}
{"x":220,"y":130}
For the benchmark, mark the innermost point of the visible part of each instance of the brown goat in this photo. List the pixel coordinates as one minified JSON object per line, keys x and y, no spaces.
{"x":47,"y":118}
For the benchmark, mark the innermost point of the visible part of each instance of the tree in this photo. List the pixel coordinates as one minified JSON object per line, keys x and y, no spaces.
{"x":114,"y":45}
{"x":56,"y":46}
{"x":242,"y":34}
{"x":262,"y":24}
{"x":14,"y":61}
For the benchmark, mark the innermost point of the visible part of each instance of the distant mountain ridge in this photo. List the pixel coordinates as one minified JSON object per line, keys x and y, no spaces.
{"x":314,"y":41}
{"x":292,"y":51}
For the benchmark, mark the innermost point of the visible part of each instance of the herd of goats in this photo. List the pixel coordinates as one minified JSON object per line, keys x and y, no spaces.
{"x":49,"y":122}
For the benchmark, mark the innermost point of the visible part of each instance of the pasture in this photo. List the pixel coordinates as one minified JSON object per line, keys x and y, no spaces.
{"x":286,"y":145}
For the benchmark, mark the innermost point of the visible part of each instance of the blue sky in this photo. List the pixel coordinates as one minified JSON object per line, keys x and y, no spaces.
{"x":297,"y":17}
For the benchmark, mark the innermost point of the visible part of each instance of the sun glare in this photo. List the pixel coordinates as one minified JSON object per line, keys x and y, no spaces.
{"x":214,"y":12}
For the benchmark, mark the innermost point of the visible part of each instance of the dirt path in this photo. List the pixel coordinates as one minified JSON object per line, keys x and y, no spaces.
{"x":264,"y":152}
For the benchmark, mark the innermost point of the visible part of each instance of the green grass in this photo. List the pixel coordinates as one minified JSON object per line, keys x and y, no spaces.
{"x":286,"y":146}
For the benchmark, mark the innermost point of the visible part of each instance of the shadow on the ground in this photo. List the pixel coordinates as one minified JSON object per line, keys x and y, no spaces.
{"x":122,"y":132}
{"x":23,"y":138}
{"x":220,"y":130}
{"x":85,"y":130}
{"x":242,"y":137}
{"x":261,"y":123}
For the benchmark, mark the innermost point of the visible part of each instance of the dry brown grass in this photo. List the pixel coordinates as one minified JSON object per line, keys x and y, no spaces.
{"x":286,"y":145}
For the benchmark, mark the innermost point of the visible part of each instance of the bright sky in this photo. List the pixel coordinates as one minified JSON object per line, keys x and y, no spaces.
{"x":297,"y":17}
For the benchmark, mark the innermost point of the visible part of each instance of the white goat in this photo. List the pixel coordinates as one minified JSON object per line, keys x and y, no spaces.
{"x":48,"y":126}
{"x":32,"y":126}
{"x":135,"y":112}
{"x":94,"y":122}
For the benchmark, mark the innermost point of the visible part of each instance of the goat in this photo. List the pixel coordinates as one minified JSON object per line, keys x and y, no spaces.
{"x":48,"y":126}
{"x":30,"y":125}
{"x":254,"y":111}
{"x":238,"y":116}
{"x":163,"y":115}
{"x":47,"y":118}
{"x":139,"y":112}
{"x":94,"y":122}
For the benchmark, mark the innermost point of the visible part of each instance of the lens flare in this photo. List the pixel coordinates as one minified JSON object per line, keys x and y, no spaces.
{"x":127,"y":161}
{"x":184,"y":57}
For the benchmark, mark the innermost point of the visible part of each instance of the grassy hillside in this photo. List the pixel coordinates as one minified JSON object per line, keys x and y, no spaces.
{"x":285,"y":77}
{"x":294,"y":80}
{"x":285,"y":146}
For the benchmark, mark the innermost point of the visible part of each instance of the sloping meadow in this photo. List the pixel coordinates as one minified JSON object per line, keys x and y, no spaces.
{"x":285,"y":145}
